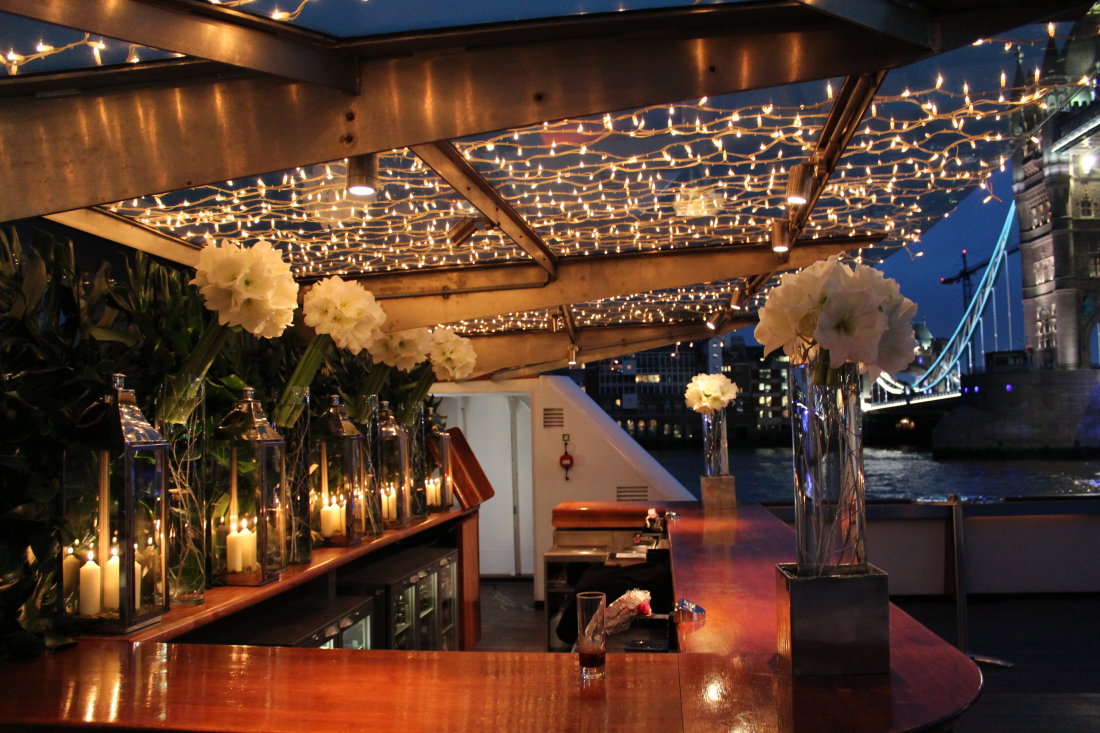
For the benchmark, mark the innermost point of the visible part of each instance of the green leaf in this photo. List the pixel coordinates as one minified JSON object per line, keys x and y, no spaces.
{"x":108,"y":334}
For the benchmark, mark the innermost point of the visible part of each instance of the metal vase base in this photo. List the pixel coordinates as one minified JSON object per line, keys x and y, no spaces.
{"x":719,"y":492}
{"x":835,"y":624}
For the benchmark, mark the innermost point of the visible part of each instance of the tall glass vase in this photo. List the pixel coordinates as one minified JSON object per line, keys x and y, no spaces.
{"x":716,"y":456}
{"x":830,"y":519}
{"x":363,"y":411}
{"x":180,"y":419}
{"x":418,"y":455}
{"x":299,"y":458}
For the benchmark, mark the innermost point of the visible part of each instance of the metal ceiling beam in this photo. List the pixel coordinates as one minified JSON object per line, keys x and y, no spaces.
{"x":442,"y":157}
{"x":128,"y":232}
{"x":204,"y":31}
{"x":108,"y":144}
{"x":512,"y":355}
{"x":412,"y":299}
{"x":910,"y":23}
{"x":852,"y":100}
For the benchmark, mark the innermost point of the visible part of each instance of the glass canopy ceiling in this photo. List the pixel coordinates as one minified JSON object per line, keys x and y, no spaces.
{"x":696,"y":173}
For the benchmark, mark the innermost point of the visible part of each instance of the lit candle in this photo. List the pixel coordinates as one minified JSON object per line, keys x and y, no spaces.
{"x":137,"y":585}
{"x":91,"y":579}
{"x":248,"y":545}
{"x":330,"y":519}
{"x":433,"y":491}
{"x":104,"y":545}
{"x":110,"y":582}
{"x":70,"y":570}
{"x":389,"y":503}
{"x":233,"y":554}
{"x":343,"y":516}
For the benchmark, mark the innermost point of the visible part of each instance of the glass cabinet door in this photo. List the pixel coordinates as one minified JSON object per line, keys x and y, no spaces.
{"x":448,"y":629}
{"x":358,"y":635}
{"x":401,"y":615}
{"x":426,"y":610}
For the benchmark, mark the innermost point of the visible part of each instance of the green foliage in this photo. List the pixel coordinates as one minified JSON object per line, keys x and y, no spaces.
{"x":59,"y":336}
{"x":63,"y":332}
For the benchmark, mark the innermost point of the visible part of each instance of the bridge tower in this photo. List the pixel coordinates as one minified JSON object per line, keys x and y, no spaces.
{"x":1056,"y":184}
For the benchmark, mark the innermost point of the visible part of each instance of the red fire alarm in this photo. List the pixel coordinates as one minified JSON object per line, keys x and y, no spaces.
{"x":566,"y":460}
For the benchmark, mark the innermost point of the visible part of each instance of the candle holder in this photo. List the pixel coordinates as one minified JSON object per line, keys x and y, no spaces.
{"x":249,"y":500}
{"x":394,"y":470}
{"x":336,"y":497}
{"x":114,"y":574}
{"x":440,"y":481}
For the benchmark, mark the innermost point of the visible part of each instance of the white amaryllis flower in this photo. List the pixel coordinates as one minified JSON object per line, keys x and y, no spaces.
{"x":453,"y":356}
{"x":708,"y":393}
{"x":855,"y":314}
{"x":401,"y":349}
{"x":344,"y":310}
{"x":248,"y":286}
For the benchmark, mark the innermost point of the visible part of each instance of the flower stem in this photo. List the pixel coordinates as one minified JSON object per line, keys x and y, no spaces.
{"x":304,"y":372}
{"x":376,"y":378}
{"x":181,"y":400}
{"x":418,"y":391}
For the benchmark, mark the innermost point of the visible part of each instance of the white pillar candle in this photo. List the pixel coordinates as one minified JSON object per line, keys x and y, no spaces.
{"x":233,"y":555}
{"x":110,"y":584}
{"x":341,"y":527}
{"x":91,"y":579}
{"x":70,"y":570}
{"x":248,"y":548}
{"x":330,"y":518}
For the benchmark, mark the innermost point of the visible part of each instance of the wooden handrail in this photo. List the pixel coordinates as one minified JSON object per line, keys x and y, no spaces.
{"x":472,"y":486}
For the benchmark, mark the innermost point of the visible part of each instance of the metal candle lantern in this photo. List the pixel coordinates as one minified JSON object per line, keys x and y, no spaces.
{"x":113,"y":573}
{"x":249,"y":501}
{"x":440,"y":480}
{"x":337,"y":500}
{"x":394,"y":470}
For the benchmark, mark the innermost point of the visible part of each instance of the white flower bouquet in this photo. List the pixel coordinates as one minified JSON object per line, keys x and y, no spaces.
{"x":708,"y":393}
{"x":249,"y":287}
{"x":453,"y":356}
{"x":345,"y":311}
{"x":402,"y":350}
{"x":341,"y":312}
{"x":839,"y":314}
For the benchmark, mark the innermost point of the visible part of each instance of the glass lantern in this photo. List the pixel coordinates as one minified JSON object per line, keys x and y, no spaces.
{"x":440,"y":479}
{"x":336,"y":497}
{"x":249,"y":501}
{"x":394,"y":470}
{"x":114,"y":474}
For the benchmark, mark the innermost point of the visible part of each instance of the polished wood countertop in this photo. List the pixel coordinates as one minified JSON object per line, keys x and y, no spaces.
{"x":151,"y":686}
{"x":725,"y":678}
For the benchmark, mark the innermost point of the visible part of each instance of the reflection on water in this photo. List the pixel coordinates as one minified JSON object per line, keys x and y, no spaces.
{"x":764,"y":474}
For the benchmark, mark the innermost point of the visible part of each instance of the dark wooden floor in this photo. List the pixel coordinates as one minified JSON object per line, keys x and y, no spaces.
{"x":1052,"y":640}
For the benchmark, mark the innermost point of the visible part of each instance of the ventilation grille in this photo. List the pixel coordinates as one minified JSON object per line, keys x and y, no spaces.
{"x":632,"y":493}
{"x":553,"y":417}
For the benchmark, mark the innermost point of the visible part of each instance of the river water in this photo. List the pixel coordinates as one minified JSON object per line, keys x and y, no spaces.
{"x":765,"y":474}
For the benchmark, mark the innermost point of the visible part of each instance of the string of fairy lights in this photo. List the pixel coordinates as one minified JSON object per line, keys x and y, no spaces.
{"x":664,"y":177}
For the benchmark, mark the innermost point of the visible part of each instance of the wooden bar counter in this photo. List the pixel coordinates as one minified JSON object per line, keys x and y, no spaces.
{"x":726,"y":678}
